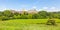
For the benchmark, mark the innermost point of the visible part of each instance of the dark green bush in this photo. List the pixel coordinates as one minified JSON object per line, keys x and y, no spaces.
{"x":4,"y":18}
{"x":51,"y":22}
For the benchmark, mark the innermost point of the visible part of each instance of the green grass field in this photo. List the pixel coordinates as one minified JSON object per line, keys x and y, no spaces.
{"x":28,"y":24}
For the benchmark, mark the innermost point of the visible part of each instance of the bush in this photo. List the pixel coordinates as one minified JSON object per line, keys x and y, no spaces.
{"x":24,"y":17}
{"x":16,"y":17}
{"x":51,"y":22}
{"x":4,"y":18}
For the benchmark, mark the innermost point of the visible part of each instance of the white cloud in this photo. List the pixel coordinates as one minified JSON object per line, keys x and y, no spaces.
{"x":34,"y":7}
{"x":45,"y":7}
{"x":53,"y":8}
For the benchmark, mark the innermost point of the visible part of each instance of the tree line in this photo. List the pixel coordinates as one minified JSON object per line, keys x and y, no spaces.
{"x":7,"y":15}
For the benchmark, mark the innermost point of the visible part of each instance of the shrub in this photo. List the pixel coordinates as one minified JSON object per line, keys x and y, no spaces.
{"x":51,"y":22}
{"x":4,"y":18}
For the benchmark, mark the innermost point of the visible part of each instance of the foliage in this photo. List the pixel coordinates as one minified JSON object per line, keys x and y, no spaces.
{"x":35,"y":16}
{"x":51,"y":22}
{"x":7,"y":14}
{"x":4,"y":18}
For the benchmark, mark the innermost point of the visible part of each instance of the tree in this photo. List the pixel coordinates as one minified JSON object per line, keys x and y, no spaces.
{"x":16,"y":17}
{"x":3,"y":18}
{"x":7,"y":13}
{"x":35,"y":16}
{"x":24,"y":17}
{"x":29,"y":16}
{"x":25,"y":13}
{"x":43,"y":14}
{"x":1,"y":13}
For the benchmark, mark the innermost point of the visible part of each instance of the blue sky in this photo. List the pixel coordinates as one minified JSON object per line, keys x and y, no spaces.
{"x":48,"y":5}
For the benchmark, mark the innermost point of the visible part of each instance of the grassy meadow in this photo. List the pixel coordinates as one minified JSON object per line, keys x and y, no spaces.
{"x":28,"y":24}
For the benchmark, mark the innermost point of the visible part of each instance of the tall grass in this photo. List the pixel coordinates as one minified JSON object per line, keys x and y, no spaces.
{"x":28,"y":24}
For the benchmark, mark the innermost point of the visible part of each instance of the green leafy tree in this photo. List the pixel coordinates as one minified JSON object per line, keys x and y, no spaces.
{"x":43,"y":14}
{"x":16,"y":17}
{"x":7,"y":13}
{"x":35,"y":16}
{"x":3,"y":18}
{"x":29,"y":16}
{"x":23,"y":17}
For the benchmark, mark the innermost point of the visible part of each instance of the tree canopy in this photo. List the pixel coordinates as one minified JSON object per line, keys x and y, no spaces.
{"x":7,"y":14}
